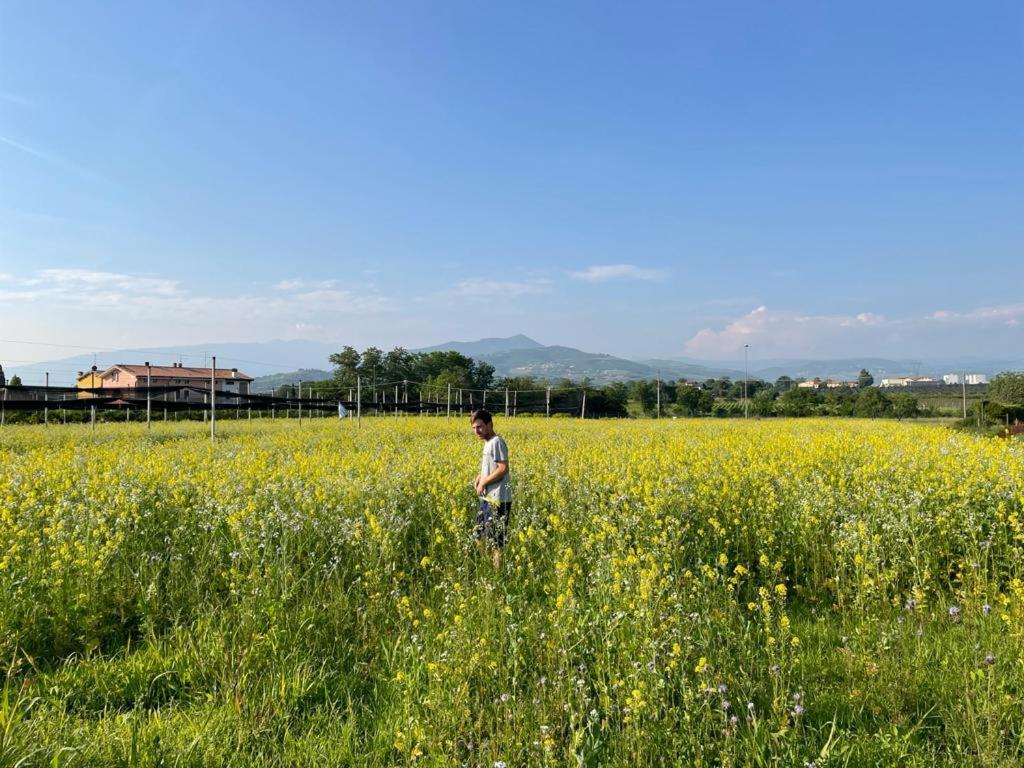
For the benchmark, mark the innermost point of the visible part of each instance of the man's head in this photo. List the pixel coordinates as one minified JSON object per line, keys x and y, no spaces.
{"x":483,"y":424}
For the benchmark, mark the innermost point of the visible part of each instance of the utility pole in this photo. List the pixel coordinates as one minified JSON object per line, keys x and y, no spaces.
{"x":300,"y":402}
{"x":746,"y":377}
{"x":213,"y":399}
{"x":448,"y":415}
{"x":583,"y":408}
{"x":359,"y":401}
{"x":506,"y":402}
{"x":963,"y":384}
{"x":658,"y":414}
{"x":547,"y":402}
{"x":149,"y":395}
{"x":92,"y":385}
{"x":46,"y":408}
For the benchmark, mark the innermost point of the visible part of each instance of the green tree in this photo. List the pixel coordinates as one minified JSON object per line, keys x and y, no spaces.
{"x":371,"y":368}
{"x":15,"y":381}
{"x":784,"y":384}
{"x":1008,"y":388}
{"x":645,"y":393}
{"x":694,"y":401}
{"x":905,"y":406}
{"x":865,"y":379}
{"x":872,"y":403}
{"x":763,"y":403}
{"x":346,"y":367}
{"x":841,"y":401}
{"x":799,"y":401}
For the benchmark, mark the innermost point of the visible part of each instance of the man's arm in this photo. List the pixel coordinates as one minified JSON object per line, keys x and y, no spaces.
{"x":495,"y":476}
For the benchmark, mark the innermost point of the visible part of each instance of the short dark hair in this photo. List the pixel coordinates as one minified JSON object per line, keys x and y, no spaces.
{"x":481,"y":414}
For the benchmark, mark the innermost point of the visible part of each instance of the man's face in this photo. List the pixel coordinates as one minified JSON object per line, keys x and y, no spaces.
{"x":483,"y":430}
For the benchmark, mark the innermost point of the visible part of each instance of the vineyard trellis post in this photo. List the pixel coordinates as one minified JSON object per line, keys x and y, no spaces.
{"x":448,"y":415}
{"x":149,"y":395}
{"x":300,"y":402}
{"x":547,"y":402}
{"x":506,"y":402}
{"x":213,"y":398}
{"x":583,"y":408}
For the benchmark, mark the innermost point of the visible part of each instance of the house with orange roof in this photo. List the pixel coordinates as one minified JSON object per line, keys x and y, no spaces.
{"x":132,"y":376}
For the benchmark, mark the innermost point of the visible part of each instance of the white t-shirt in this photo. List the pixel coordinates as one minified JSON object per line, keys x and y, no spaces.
{"x":495,"y":450}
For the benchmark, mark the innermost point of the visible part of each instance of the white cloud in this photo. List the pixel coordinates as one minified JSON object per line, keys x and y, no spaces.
{"x":298,"y":284}
{"x":602,"y":273}
{"x":1009,"y":314}
{"x":487,"y":289}
{"x":791,"y":333}
{"x":151,"y":298}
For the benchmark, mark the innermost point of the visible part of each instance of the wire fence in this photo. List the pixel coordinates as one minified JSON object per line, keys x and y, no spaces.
{"x":296,"y":400}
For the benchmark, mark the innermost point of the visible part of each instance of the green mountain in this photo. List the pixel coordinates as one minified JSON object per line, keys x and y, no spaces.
{"x":483,"y":347}
{"x":264,"y":384}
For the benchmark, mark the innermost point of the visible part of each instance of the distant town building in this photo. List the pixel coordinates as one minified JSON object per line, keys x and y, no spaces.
{"x":910,"y":381}
{"x":966,"y":378}
{"x":123,"y":376}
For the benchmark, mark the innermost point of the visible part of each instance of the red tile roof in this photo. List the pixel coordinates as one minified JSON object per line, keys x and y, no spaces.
{"x":173,"y":371}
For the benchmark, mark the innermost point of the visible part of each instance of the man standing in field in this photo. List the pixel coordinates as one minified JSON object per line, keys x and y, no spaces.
{"x":492,"y":486}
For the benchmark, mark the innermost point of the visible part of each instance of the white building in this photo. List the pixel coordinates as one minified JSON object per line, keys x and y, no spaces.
{"x":967,"y":378}
{"x":910,"y":381}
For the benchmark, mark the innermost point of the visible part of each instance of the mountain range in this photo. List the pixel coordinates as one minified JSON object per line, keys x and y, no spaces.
{"x":276,"y":362}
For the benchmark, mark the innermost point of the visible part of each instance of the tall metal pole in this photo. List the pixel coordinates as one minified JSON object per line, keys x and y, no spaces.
{"x":46,"y":408}
{"x":658,"y":380}
{"x":963,"y":383}
{"x":583,"y":408}
{"x":149,"y":395}
{"x":92,"y":385}
{"x":746,"y":377}
{"x":213,"y":399}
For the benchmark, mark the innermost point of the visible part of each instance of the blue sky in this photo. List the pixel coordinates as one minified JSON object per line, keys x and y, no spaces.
{"x":679,"y":179}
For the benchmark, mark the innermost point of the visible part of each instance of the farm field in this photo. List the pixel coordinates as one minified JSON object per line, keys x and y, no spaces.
{"x":790,"y":593}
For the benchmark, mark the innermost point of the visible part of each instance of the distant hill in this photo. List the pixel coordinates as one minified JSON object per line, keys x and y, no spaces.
{"x":846,"y":369}
{"x":691,"y":371}
{"x":557,"y":362}
{"x":253,"y":358}
{"x":288,"y":361}
{"x":271,"y":381}
{"x":492,"y":346}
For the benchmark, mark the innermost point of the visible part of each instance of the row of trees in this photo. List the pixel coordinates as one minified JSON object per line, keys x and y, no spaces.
{"x":722,"y":397}
{"x":426,"y":376}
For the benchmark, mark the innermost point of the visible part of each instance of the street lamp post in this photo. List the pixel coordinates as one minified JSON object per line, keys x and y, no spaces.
{"x":746,"y":379}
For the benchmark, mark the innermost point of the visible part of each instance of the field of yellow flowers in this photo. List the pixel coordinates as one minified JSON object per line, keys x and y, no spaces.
{"x":788,"y":593}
